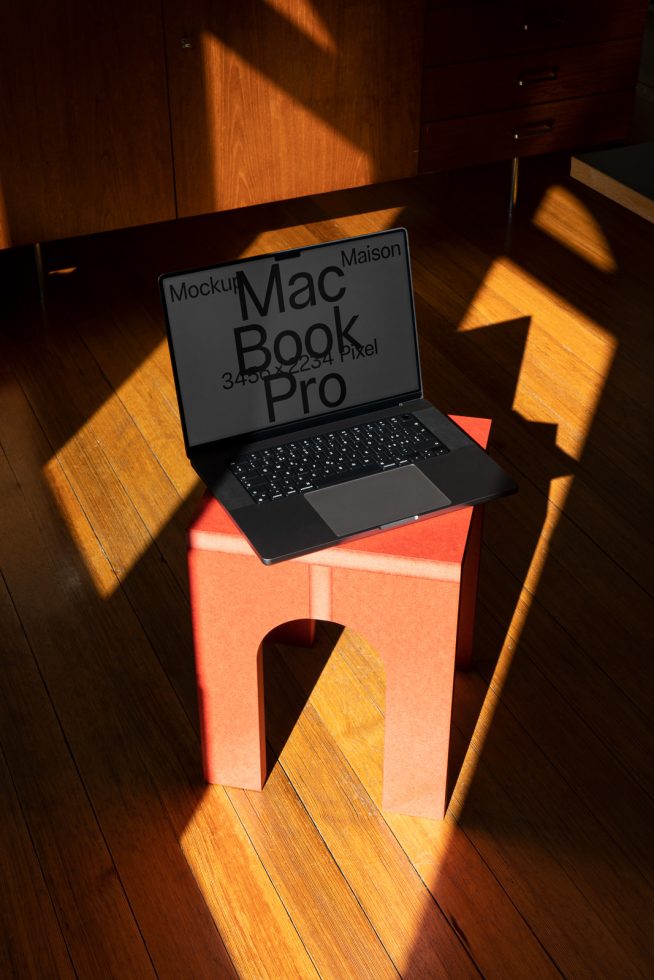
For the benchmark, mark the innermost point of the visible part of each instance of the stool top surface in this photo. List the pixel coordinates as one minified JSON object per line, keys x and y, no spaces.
{"x":424,"y":548}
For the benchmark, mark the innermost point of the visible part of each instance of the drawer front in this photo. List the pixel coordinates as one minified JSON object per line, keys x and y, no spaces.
{"x":486,"y":30}
{"x":527,"y":79}
{"x":461,"y":142}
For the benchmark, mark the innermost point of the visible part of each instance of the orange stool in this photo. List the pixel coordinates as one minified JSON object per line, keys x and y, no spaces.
{"x":410,"y":592}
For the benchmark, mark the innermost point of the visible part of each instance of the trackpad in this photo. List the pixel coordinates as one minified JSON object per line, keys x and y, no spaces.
{"x":377,"y":500}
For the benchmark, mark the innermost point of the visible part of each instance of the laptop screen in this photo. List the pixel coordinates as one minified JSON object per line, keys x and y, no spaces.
{"x":280,"y":339}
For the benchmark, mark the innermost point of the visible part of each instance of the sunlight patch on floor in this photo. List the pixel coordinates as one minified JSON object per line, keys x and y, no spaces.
{"x":504,"y":278}
{"x":95,"y":563}
{"x":553,"y":378}
{"x":567,"y":220}
{"x":368,"y":224}
{"x":553,"y":387}
{"x":552,"y":517}
{"x":121,"y":526}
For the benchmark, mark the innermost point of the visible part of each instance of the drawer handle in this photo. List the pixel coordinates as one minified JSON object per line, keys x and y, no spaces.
{"x":535,"y":75}
{"x":537,"y":129}
{"x":543,"y":22}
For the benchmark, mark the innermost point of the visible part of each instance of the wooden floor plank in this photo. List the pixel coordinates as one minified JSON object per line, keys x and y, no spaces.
{"x":32,"y":944}
{"x":93,"y":473}
{"x":563,"y":828}
{"x":99,"y":424}
{"x":337,"y":935}
{"x":138,"y":758}
{"x":104,"y":743}
{"x":514,"y":812}
{"x":580,"y":585}
{"x":609,"y":788}
{"x":133,"y":356}
{"x":396,"y":901}
{"x":61,"y":821}
{"x":492,"y":931}
{"x":611,"y":715}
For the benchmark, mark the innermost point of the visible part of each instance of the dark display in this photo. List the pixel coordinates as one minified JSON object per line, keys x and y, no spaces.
{"x":278,"y":339}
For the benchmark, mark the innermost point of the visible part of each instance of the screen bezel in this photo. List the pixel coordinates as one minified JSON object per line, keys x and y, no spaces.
{"x":303,"y":423}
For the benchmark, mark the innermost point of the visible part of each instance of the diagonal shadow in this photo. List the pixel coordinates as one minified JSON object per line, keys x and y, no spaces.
{"x":562,"y":774}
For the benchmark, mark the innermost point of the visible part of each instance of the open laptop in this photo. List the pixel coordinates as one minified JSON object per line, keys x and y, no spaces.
{"x":300,"y":396}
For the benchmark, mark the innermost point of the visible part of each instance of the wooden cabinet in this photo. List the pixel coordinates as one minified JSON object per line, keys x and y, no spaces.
{"x":505,"y":78}
{"x":101,"y":104}
{"x":280,"y":99}
{"x":122,"y":114}
{"x":84,"y":133}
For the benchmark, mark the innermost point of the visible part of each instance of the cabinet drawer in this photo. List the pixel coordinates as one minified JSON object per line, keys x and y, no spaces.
{"x":521,"y":132}
{"x":527,"y":79}
{"x":485,"y":30}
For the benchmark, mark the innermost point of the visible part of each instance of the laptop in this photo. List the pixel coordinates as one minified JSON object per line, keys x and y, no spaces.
{"x":300,"y":394}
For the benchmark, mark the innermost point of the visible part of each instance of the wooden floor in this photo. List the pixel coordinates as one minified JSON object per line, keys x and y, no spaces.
{"x":117,"y":860}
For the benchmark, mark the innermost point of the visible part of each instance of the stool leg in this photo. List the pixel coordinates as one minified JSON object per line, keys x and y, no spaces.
{"x":468,"y":602}
{"x":417,"y":726}
{"x":230,"y":699}
{"x":412,"y":623}
{"x":235,"y":602}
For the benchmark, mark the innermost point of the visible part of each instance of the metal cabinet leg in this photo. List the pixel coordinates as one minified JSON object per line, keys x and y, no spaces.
{"x":40,"y":276}
{"x":513,"y":198}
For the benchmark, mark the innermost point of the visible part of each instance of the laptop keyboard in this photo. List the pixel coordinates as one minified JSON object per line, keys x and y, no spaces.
{"x":333,"y":457}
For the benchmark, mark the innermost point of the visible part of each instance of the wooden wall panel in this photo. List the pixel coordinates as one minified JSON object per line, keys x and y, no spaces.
{"x":276,"y":100}
{"x":85,"y":141}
